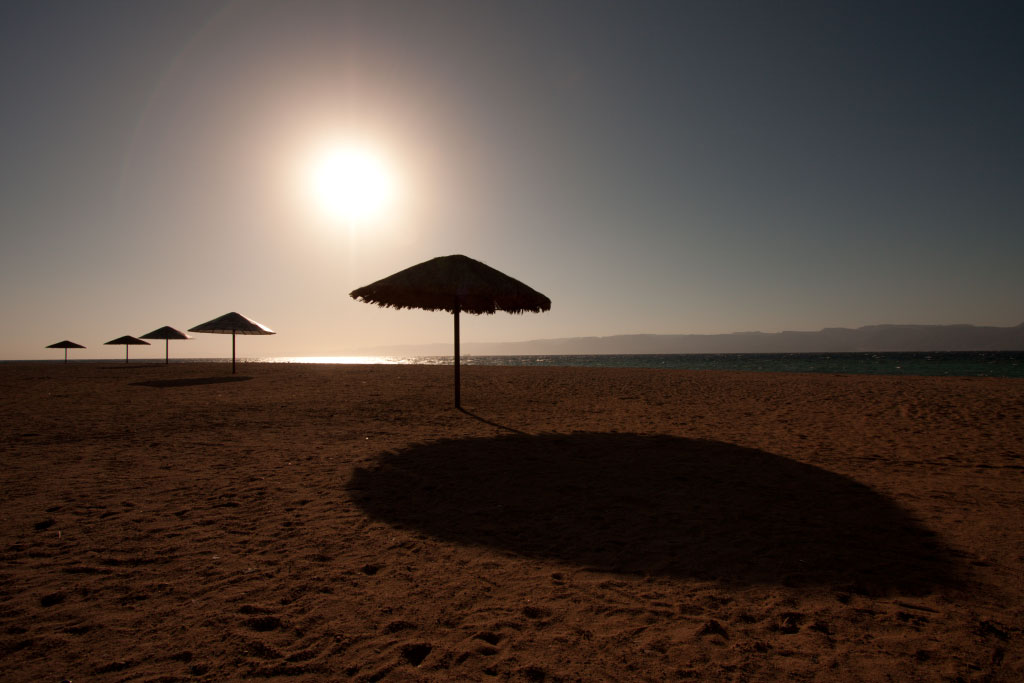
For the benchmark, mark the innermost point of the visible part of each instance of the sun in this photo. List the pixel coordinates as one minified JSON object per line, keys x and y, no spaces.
{"x":352,"y":184}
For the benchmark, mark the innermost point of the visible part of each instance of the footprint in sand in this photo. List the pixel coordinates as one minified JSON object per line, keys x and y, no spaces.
{"x":415,"y":653}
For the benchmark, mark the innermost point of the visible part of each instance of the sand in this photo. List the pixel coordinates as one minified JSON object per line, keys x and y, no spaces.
{"x":319,"y":523}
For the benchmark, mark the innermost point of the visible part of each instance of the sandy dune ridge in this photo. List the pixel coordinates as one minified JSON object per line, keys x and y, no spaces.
{"x":318,"y":523}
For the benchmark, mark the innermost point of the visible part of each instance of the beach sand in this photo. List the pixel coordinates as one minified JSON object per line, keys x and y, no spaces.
{"x":317,"y":523}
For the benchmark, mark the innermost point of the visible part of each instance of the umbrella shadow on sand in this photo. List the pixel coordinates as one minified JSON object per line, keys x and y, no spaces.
{"x":136,"y":366}
{"x":661,"y":505}
{"x":188,"y":381}
{"x":489,"y":422}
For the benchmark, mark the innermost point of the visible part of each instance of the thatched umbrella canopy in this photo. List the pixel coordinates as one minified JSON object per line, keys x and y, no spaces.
{"x":65,"y":345}
{"x":127,"y":340}
{"x":455,"y":284}
{"x":232,"y":323}
{"x":166,"y":333}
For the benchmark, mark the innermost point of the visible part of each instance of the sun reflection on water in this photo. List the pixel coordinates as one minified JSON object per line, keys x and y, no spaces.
{"x":341,"y":360}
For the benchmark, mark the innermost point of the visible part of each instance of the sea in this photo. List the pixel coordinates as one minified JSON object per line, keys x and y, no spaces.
{"x":959,"y":364}
{"x":948,"y":364}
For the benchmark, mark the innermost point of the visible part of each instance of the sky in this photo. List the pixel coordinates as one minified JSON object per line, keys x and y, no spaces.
{"x":652,"y":167}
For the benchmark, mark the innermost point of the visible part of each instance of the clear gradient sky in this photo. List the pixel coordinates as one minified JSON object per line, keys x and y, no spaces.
{"x":653,"y":167}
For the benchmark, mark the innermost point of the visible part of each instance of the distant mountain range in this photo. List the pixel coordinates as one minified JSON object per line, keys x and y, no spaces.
{"x":829,"y":340}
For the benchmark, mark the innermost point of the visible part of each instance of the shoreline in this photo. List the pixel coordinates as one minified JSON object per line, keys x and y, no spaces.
{"x":1000,"y":364}
{"x":336,"y":522}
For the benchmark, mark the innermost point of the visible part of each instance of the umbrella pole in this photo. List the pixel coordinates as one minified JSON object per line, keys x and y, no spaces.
{"x":232,"y":352}
{"x":167,"y":351}
{"x":65,"y":356}
{"x":125,"y":353}
{"x":458,"y":402}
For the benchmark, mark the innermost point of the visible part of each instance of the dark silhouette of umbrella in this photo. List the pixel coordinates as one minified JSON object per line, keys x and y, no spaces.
{"x":127,"y":340}
{"x":232,"y":323}
{"x":65,"y":345}
{"x":455,"y":284}
{"x":166,"y":333}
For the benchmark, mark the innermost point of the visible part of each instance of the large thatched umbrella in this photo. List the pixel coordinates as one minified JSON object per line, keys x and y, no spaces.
{"x":127,"y":340}
{"x":455,"y":284}
{"x":232,"y":323}
{"x":65,"y":345}
{"x":166,"y":333}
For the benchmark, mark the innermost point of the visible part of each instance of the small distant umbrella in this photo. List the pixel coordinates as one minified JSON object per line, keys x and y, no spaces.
{"x":455,"y":284}
{"x":127,"y":340}
{"x":167,"y":334}
{"x":232,"y":323}
{"x":65,"y":345}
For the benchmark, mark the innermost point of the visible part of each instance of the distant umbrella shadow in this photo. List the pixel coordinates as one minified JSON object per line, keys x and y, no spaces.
{"x":188,"y":382}
{"x":658,"y":505}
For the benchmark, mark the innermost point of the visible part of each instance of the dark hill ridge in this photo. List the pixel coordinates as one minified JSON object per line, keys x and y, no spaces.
{"x":871,"y":338}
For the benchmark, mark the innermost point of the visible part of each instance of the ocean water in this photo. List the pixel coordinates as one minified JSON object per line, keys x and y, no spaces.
{"x":952,"y":364}
{"x":959,"y":364}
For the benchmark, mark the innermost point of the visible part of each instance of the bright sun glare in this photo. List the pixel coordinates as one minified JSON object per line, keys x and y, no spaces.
{"x":351,"y":184}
